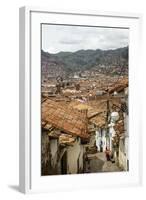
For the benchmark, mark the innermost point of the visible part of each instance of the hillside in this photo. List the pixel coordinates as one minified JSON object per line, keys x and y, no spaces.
{"x":70,"y":62}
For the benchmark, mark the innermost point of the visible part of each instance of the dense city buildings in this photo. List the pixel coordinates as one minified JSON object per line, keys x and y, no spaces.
{"x":84,"y":118}
{"x":84,"y":100}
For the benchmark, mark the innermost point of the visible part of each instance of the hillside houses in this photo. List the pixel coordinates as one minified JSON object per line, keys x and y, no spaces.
{"x":68,"y":131}
{"x":74,"y":130}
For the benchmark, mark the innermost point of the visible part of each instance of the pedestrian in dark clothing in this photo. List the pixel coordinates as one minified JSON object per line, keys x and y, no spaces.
{"x":107,"y":154}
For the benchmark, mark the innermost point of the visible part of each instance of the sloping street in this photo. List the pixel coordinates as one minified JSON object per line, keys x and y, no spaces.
{"x":98,"y":163}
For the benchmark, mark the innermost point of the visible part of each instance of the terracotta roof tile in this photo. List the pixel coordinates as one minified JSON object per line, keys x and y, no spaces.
{"x":65,"y":118}
{"x":119,"y":86}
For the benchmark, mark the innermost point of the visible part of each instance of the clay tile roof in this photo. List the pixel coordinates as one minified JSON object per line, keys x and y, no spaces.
{"x":119,"y":86}
{"x":66,"y":139}
{"x":93,"y":108}
{"x":99,"y":120}
{"x":65,"y":118}
{"x":124,"y":81}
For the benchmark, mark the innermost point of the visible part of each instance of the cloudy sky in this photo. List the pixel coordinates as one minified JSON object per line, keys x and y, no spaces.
{"x":56,"y":38}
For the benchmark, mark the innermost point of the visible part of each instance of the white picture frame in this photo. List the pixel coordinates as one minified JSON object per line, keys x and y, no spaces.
{"x":29,"y":160}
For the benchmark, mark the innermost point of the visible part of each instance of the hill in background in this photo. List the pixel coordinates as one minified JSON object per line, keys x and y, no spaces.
{"x":64,"y":63}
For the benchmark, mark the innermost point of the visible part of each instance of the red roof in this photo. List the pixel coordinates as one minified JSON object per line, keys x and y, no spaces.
{"x":65,"y":118}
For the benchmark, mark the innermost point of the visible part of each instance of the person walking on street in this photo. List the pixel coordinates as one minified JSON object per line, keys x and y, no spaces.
{"x":107,"y":154}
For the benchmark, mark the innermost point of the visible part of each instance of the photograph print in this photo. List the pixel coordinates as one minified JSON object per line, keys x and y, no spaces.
{"x":84,"y":99}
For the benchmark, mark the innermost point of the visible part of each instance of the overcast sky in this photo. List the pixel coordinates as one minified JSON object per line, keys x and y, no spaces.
{"x":56,"y":38}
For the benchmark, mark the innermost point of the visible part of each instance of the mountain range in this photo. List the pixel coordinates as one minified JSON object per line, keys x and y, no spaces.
{"x":70,"y":62}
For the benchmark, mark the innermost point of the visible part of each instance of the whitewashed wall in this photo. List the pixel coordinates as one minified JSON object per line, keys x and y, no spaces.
{"x":9,"y":23}
{"x":122,"y":156}
{"x":53,"y":151}
{"x":73,"y":153}
{"x":99,"y":139}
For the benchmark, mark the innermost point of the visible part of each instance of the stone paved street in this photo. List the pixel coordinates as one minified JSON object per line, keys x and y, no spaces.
{"x":98,"y":163}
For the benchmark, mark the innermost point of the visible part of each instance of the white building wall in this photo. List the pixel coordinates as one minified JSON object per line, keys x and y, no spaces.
{"x":111,"y":134}
{"x":124,"y":152}
{"x":73,"y":153}
{"x":126,"y":127}
{"x":81,"y":158}
{"x":92,"y":140}
{"x":104,"y":139}
{"x":53,"y":151}
{"x":122,"y":155}
{"x":100,"y":139}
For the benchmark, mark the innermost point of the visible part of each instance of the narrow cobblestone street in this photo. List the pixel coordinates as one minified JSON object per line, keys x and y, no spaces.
{"x":98,"y":163}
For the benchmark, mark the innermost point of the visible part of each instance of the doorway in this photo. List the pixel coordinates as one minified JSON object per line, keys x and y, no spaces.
{"x":64,"y":163}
